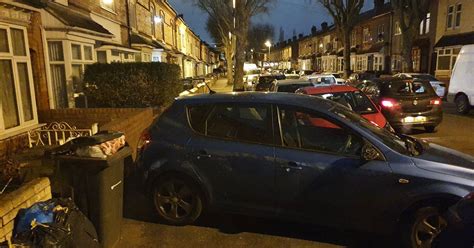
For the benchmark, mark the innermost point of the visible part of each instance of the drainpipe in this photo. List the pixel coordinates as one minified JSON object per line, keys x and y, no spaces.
{"x":127,"y":10}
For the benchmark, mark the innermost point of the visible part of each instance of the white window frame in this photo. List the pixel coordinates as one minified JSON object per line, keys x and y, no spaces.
{"x":379,"y":62}
{"x":457,"y":15}
{"x":15,"y":59}
{"x":83,"y":61}
{"x":450,"y":16}
{"x":398,"y":30}
{"x":447,"y":52}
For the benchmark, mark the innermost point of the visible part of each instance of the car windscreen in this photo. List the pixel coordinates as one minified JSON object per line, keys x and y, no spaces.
{"x":354,"y":100}
{"x":292,"y":87}
{"x":388,"y":138}
{"x":407,"y":88}
{"x":324,"y":80}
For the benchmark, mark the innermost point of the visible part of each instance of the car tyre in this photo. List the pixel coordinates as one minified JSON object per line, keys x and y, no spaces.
{"x":421,"y":228}
{"x":178,"y":201}
{"x":462,"y":104}
{"x":430,"y":129}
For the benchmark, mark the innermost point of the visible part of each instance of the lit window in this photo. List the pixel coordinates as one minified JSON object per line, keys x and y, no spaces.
{"x":425,"y":25}
{"x":108,"y":5}
{"x":367,"y":36}
{"x":398,"y":30}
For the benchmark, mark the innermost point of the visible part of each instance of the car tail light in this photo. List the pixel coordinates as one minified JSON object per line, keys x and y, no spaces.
{"x":144,"y":140}
{"x":469,"y":196}
{"x":436,"y":101}
{"x":389,"y":103}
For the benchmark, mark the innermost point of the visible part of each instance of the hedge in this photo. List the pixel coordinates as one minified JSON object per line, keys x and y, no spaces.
{"x":131,"y":85}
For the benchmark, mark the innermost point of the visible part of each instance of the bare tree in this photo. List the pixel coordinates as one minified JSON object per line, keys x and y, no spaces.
{"x":409,"y":14}
{"x":244,"y":10}
{"x":345,"y":14}
{"x":258,"y":34}
{"x":220,"y":25}
{"x":237,"y":20}
{"x":225,"y":42}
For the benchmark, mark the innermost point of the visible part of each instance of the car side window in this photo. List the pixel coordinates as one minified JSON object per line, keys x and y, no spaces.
{"x":197,"y":115}
{"x":310,"y":131}
{"x":248,"y":122}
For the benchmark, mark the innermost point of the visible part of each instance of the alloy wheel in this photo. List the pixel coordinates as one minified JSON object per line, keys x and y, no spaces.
{"x":426,"y":229}
{"x":175,"y":200}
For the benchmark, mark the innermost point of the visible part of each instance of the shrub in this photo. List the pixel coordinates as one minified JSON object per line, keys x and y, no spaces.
{"x":132,"y":85}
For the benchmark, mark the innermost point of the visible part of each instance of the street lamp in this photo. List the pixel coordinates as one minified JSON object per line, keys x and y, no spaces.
{"x":268,"y":44}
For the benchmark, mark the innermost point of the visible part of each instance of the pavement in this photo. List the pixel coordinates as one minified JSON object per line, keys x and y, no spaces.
{"x":221,"y":85}
{"x":141,"y":228}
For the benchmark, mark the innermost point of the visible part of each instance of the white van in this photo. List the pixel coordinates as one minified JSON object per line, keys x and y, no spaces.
{"x":461,"y":86}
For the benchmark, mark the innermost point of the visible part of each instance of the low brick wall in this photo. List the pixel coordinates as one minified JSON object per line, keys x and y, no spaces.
{"x":30,"y":193}
{"x":131,"y":121}
{"x":13,"y":145}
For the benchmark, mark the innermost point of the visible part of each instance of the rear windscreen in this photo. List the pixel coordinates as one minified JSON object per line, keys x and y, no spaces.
{"x":291,"y":88}
{"x":402,"y":88}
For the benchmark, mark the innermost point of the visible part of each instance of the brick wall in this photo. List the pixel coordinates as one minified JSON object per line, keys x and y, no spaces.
{"x":30,"y":193}
{"x":131,"y":121}
{"x":13,"y":145}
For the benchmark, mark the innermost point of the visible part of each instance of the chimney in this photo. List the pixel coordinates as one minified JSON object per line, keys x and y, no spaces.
{"x":295,"y":38}
{"x":300,"y":36}
{"x":314,"y":30}
{"x":324,"y":26}
{"x":378,"y":5}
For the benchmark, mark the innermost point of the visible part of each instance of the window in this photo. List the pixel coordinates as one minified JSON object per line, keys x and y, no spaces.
{"x":81,"y":57}
{"x":356,"y":101}
{"x":396,"y":62}
{"x":425,"y":25}
{"x":367,"y":36}
{"x":453,"y":16}
{"x":108,"y":5}
{"x":153,"y":19}
{"x":458,"y":15}
{"x":416,"y":55}
{"x":162,"y":24}
{"x":58,"y":75}
{"x":309,"y":131}
{"x":17,"y":106}
{"x":132,"y":6}
{"x":447,"y":58}
{"x":76,"y":52}
{"x":242,"y":122}
{"x":381,"y":33}
{"x":354,"y":38}
{"x":379,"y":62}
{"x":398,"y":30}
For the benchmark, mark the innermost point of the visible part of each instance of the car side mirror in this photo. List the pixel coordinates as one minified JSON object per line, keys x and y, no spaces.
{"x":369,"y":153}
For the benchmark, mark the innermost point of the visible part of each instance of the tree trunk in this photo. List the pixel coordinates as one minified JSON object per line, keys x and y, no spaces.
{"x":408,"y":37}
{"x":230,"y":62}
{"x":347,"y":53}
{"x":242,"y":20}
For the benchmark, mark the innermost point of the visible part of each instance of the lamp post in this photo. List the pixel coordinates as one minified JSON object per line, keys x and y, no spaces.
{"x":269,"y":45}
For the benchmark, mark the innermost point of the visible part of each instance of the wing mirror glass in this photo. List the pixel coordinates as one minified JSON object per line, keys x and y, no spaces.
{"x":369,"y":153}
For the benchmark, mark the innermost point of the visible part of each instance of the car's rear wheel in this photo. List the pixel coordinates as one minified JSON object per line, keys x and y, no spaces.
{"x":430,"y":129}
{"x":177,"y":200}
{"x":462,"y":104}
{"x":422,"y":227}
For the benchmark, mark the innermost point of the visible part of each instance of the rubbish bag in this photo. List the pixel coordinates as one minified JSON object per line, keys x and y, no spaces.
{"x":68,"y":228}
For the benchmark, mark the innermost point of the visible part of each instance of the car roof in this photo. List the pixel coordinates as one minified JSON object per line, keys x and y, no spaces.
{"x":322,"y":75}
{"x":259,"y":97}
{"x":328,"y":89}
{"x":292,"y":81}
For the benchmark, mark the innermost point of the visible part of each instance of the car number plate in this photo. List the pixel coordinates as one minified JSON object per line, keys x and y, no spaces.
{"x":411,"y":119}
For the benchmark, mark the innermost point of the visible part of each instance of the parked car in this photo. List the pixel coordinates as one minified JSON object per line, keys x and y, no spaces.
{"x":438,"y":86}
{"x":300,"y":158}
{"x":406,"y":103}
{"x":321,"y":79}
{"x":265,"y":81}
{"x":292,"y":76}
{"x":339,"y":79}
{"x":358,"y":78}
{"x":289,"y":85}
{"x":458,"y":224}
{"x":461,"y":90}
{"x":352,"y":98}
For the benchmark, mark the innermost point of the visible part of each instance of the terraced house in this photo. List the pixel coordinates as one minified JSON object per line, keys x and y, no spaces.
{"x":45,"y":46}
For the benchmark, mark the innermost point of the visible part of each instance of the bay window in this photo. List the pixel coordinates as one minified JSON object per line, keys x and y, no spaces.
{"x":17,"y":102}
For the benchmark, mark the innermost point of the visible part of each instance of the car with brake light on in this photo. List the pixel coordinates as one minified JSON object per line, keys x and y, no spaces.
{"x":406,"y":103}
{"x":438,"y":86}
{"x":299,"y":158}
{"x":351,"y":98}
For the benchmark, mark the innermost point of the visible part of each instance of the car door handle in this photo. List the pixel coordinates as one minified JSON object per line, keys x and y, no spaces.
{"x":293,"y":165}
{"x":203,"y":154}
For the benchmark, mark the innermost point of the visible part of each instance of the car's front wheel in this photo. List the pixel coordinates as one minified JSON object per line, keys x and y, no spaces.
{"x":423,"y":227}
{"x":462,"y":104}
{"x":177,"y":200}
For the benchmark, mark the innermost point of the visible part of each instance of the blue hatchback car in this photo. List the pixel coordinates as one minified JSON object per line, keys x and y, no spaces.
{"x":300,"y":158}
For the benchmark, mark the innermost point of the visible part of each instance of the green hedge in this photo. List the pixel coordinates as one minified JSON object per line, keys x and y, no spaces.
{"x":132,"y":85}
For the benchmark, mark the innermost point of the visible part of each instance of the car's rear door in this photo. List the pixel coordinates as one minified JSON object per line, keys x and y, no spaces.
{"x":233,"y":152}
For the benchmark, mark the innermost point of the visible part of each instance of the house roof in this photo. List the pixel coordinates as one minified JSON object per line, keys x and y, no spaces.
{"x":138,"y":39}
{"x":456,"y":40}
{"x":74,"y":17}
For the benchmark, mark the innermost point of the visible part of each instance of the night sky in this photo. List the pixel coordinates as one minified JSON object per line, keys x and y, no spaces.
{"x":298,"y":15}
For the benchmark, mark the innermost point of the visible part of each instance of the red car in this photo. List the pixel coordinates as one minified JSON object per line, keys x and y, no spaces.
{"x":352,"y":98}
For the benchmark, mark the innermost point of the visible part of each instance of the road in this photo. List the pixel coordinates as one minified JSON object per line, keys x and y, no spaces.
{"x":141,"y":228}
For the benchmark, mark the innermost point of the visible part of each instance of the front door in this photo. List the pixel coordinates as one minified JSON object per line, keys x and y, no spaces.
{"x":320,"y":176}
{"x":234,"y":154}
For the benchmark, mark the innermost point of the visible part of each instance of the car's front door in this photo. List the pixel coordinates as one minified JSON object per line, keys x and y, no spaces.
{"x":320,"y":175}
{"x":234,"y":153}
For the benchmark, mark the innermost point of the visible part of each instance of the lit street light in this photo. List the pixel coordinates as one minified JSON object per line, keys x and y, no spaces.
{"x":268,"y":44}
